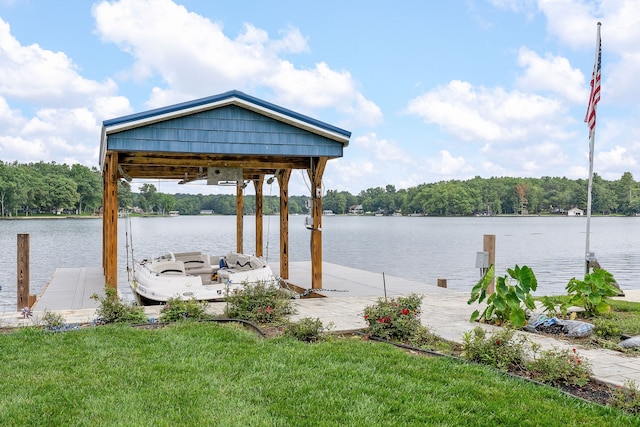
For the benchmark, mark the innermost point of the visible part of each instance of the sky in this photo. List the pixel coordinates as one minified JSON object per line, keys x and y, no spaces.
{"x":430,"y":90}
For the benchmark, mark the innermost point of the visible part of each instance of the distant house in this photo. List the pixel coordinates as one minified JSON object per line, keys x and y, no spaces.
{"x":356,"y":210}
{"x":206,"y":212}
{"x":575,"y":212}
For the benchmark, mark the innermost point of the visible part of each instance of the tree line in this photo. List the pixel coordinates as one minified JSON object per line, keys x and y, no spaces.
{"x":51,"y":188}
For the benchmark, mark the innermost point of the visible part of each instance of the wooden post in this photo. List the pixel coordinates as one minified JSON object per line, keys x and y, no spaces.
{"x":257,"y":183}
{"x":489,"y":246}
{"x":239,"y":219}
{"x":315,"y":176}
{"x":110,"y":220}
{"x":442,"y":283}
{"x":283,"y":182}
{"x":23,"y":271}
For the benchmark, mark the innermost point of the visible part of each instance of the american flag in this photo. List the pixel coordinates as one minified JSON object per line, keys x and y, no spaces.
{"x":594,"y":97}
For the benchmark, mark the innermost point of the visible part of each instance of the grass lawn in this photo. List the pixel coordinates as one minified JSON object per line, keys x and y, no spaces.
{"x":208,"y":374}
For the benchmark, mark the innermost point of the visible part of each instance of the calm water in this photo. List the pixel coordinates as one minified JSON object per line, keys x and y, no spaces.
{"x":418,"y":248}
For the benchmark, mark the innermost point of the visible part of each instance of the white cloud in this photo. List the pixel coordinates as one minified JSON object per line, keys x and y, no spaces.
{"x":616,"y":158}
{"x":43,"y":77}
{"x":574,"y":22}
{"x":483,"y":114}
{"x":381,"y":150}
{"x":445,"y":166}
{"x":194,"y":57}
{"x":552,"y":74}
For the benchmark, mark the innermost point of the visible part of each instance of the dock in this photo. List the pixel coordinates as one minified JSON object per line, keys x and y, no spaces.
{"x":71,"y":289}
{"x":347,"y":292}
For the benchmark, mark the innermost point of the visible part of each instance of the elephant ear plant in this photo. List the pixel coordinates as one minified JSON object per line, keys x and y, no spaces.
{"x":511,"y":297}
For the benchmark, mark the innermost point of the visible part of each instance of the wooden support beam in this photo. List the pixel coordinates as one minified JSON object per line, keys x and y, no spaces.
{"x":283,"y":182}
{"x":110,"y":220}
{"x":315,"y":176}
{"x":257,"y":183}
{"x":239,"y":219}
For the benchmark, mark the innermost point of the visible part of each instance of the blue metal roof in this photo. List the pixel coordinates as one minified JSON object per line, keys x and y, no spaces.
{"x":229,"y":123}
{"x":216,"y":99}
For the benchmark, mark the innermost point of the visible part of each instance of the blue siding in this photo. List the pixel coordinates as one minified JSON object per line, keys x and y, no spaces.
{"x":225,"y":130}
{"x":222,"y":97}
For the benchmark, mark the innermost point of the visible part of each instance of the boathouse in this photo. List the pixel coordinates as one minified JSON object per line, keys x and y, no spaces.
{"x":230,"y":138}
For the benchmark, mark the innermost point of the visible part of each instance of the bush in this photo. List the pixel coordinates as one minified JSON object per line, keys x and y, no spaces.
{"x":559,"y":367}
{"x":176,"y":309}
{"x":425,"y":339}
{"x":500,"y":349}
{"x":112,"y":310}
{"x":394,"y":319}
{"x":306,"y":329}
{"x":627,"y":397}
{"x":52,"y":321}
{"x":260,"y":302}
{"x":607,"y":328}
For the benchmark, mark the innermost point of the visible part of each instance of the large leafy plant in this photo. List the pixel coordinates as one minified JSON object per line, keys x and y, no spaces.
{"x":511,"y":297}
{"x":592,"y":292}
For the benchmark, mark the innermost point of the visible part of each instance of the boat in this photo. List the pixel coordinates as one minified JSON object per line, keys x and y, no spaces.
{"x":196,"y":275}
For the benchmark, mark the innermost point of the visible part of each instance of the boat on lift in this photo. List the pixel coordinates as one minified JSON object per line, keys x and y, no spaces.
{"x":196,"y":275}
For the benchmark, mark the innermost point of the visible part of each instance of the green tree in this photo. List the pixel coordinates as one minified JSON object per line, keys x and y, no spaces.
{"x":150,"y":194}
{"x":89,"y":185}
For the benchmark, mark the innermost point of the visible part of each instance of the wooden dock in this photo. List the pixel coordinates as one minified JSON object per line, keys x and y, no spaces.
{"x":71,"y":289}
{"x":339,"y":280}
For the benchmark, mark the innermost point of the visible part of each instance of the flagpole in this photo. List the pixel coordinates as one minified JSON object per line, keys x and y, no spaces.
{"x":591,"y":112}
{"x":588,"y":254}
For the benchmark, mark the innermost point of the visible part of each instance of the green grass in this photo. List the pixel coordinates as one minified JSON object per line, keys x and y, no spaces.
{"x":207,"y":374}
{"x":627,"y":314}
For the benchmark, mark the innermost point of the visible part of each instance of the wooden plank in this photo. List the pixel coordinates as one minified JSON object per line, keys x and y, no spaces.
{"x":283,"y":182}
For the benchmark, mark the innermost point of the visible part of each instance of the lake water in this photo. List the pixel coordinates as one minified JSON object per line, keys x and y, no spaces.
{"x":418,"y":248}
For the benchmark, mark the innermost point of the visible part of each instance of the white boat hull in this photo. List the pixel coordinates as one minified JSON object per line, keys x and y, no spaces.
{"x":191,"y":275}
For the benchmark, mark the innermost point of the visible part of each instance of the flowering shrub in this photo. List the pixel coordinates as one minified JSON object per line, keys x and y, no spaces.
{"x":627,"y":397}
{"x":395,"y":319}
{"x":501,"y":349}
{"x":176,"y":309}
{"x":560,"y":367}
{"x":260,"y":302}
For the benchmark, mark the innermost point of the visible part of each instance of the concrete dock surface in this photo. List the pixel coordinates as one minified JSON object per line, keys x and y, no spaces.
{"x":347,"y":292}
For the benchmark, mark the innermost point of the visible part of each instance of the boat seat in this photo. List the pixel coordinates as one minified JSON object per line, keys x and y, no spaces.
{"x":168,"y":267}
{"x":244,"y":262}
